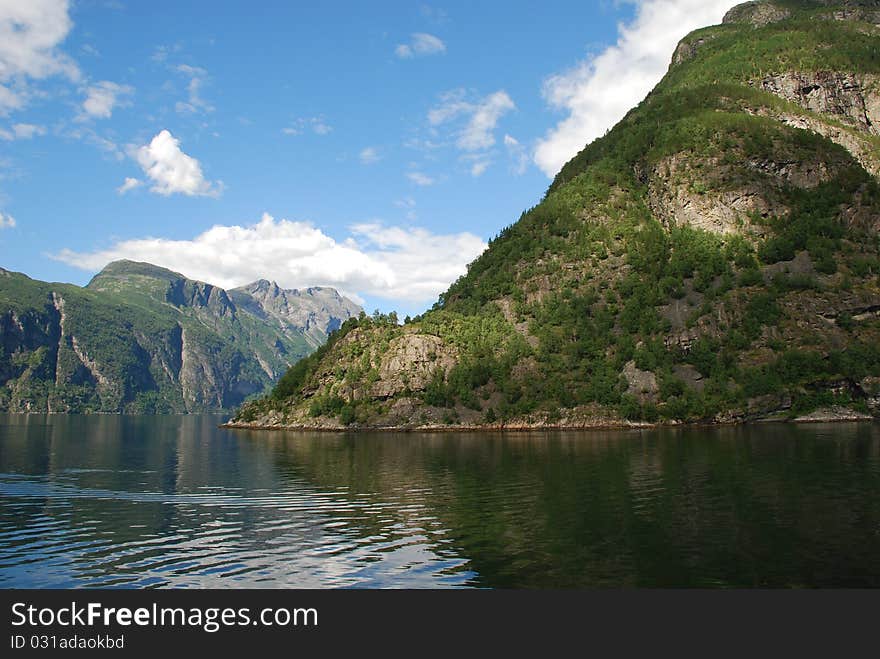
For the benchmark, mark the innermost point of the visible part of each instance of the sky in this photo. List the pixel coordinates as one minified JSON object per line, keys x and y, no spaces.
{"x":374,"y":147}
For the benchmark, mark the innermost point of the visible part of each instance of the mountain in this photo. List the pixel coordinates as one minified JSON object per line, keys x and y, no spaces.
{"x":143,"y":339}
{"x":712,"y":258}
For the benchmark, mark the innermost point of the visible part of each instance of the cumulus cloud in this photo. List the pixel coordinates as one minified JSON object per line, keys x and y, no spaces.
{"x":480,"y":117}
{"x":22,"y":132}
{"x":128,"y":184}
{"x":369,"y":156}
{"x":598,"y":91}
{"x":420,"y":44}
{"x":30,"y":33}
{"x":171,"y":170}
{"x":102,"y":97}
{"x":406,"y":264}
{"x":7,"y":221}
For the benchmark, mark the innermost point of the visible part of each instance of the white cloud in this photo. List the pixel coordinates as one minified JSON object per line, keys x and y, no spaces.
{"x":30,"y":33}
{"x":480,"y":117}
{"x":420,"y":44}
{"x":477,"y":134}
{"x":10,"y":100}
{"x":479,"y":167}
{"x":161,"y":52}
{"x":519,"y":160}
{"x":197,"y":78}
{"x":420,"y":179}
{"x":171,"y":170}
{"x":102,"y":97}
{"x":316,"y":124}
{"x":369,"y":156}
{"x":130,"y":183}
{"x":473,"y":124}
{"x":22,"y":132}
{"x":408,"y":204}
{"x":405,"y":264}
{"x":599,"y":91}
{"x":7,"y":221}
{"x":477,"y":162}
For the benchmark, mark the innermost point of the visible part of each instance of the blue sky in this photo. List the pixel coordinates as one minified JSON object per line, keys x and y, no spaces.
{"x":374,"y":147}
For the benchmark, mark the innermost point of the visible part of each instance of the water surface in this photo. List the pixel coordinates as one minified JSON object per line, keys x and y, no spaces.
{"x":176,"y":502}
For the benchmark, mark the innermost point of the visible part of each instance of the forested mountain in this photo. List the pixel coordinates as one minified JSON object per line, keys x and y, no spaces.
{"x":142,"y":339}
{"x":713,"y":257}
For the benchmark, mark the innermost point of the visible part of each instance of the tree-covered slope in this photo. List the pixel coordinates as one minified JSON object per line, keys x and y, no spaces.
{"x":141,"y":339}
{"x":715,"y":256}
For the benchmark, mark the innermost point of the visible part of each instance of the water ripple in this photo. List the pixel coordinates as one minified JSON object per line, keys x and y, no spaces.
{"x":180,"y":503}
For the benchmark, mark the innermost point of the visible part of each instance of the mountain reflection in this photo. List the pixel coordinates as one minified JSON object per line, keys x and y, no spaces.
{"x":175,"y":501}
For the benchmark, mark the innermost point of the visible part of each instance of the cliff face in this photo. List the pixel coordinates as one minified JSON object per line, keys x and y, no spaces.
{"x":317,"y":310}
{"x":715,"y":256}
{"x":140,"y":339}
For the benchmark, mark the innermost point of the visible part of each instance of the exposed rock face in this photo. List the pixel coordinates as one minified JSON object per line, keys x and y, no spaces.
{"x":678,"y":196}
{"x":760,"y":13}
{"x":197,"y":294}
{"x":870,"y":387}
{"x":641,"y":384}
{"x":317,"y":310}
{"x":853,"y":99}
{"x":861,"y":14}
{"x":410,"y":363}
{"x":860,"y":147}
{"x":757,"y":14}
{"x":687,"y":49}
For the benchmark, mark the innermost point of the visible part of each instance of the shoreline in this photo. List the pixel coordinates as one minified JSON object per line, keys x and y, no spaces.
{"x":813,"y":418}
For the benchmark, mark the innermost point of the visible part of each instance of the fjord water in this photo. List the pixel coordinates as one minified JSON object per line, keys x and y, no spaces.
{"x":177,"y":502}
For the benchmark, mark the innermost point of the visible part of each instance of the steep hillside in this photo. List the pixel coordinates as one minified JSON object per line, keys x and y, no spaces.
{"x":714,"y":257}
{"x":143,"y":339}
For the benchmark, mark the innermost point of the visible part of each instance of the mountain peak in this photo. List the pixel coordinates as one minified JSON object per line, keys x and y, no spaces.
{"x":124,"y":267}
{"x":760,"y":13}
{"x":319,"y":309}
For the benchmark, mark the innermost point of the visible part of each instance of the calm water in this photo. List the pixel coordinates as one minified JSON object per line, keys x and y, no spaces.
{"x":174,"y":501}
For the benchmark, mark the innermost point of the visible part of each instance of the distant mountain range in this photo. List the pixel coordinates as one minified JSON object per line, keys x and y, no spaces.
{"x":142,"y":339}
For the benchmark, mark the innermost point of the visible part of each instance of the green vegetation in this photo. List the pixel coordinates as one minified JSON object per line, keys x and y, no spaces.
{"x":138,"y":339}
{"x":610,"y":296}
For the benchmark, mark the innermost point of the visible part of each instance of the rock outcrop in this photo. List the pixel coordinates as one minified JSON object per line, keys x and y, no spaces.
{"x":852,"y":98}
{"x":316,"y":310}
{"x":757,"y":14}
{"x":410,"y":363}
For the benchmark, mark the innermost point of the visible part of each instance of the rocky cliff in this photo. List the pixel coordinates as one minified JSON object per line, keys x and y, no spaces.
{"x":143,"y":339}
{"x":316,"y":311}
{"x":714,"y":257}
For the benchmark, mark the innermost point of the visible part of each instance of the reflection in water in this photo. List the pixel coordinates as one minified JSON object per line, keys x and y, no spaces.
{"x":174,"y":501}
